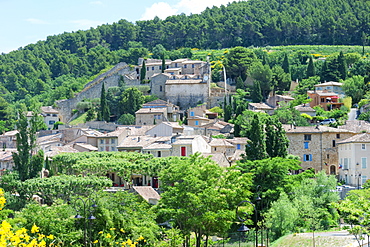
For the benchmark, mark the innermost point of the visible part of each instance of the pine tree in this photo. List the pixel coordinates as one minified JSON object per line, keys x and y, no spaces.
{"x":256,"y":146}
{"x":342,"y":66}
{"x":104,"y":109}
{"x":143,"y":72}
{"x":310,"y":68}
{"x":239,"y":83}
{"x":285,"y":65}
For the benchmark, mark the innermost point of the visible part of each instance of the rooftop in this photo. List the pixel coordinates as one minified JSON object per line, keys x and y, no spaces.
{"x":364,"y":137}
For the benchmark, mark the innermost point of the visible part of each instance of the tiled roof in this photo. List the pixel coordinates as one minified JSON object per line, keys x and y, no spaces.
{"x":364,"y":137}
{"x":57,"y":150}
{"x":313,"y":129}
{"x":184,"y":81}
{"x":216,"y":142}
{"x":86,"y":146}
{"x":157,"y":146}
{"x":261,"y":106}
{"x":356,"y":126}
{"x":147,"y":192}
{"x":302,"y":108}
{"x":151,"y":110}
{"x":136,"y":141}
{"x":238,"y":140}
{"x":49,"y":109}
{"x":329,"y":83}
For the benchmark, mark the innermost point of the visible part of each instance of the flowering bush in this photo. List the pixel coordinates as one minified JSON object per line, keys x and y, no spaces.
{"x":20,"y":237}
{"x":115,"y":237}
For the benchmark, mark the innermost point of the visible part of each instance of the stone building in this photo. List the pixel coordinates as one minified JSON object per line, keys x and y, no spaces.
{"x":316,"y":146}
{"x":157,"y":111}
{"x":51,"y":116}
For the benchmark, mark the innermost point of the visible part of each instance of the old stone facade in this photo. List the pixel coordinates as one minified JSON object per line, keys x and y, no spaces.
{"x":316,"y":146}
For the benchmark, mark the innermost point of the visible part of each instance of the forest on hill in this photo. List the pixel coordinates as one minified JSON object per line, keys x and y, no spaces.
{"x":60,"y":66}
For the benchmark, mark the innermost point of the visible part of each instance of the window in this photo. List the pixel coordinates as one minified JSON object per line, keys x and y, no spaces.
{"x":101,"y":141}
{"x":160,"y":88}
{"x":238,"y":146}
{"x":364,"y":162}
{"x":215,"y":149}
{"x":175,"y":65}
{"x":322,"y":100}
{"x":183,"y":151}
{"x":107,"y":149}
{"x":113,"y":148}
{"x":106,"y":141}
{"x":160,"y":67}
{"x":363,"y":146}
{"x":345,"y":164}
{"x":113,"y":141}
{"x":327,"y":156}
{"x":333,"y":143}
{"x":153,"y":68}
{"x":196,"y":122}
{"x":54,"y":115}
{"x":159,"y":154}
{"x":193,"y":66}
{"x":147,"y":68}
{"x":307,"y":157}
{"x":363,"y":179}
{"x":307,"y":137}
{"x":101,"y":149}
{"x":306,"y":145}
{"x":51,"y":122}
{"x":191,"y":114}
{"x":338,"y":136}
{"x":185,"y":66}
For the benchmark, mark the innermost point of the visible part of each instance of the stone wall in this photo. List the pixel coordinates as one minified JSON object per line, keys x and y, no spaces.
{"x":93,"y":89}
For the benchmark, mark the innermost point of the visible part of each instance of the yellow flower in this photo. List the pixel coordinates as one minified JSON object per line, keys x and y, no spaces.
{"x":112,"y":229}
{"x":100,"y":232}
{"x":122,"y":230}
{"x":41,"y":236}
{"x":96,"y":241}
{"x":140,"y":238}
{"x":50,"y":236}
{"x":108,"y":235}
{"x":34,"y":229}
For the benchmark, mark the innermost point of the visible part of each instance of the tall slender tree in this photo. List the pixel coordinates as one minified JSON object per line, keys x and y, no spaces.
{"x":104,"y":109}
{"x":310,"y":68}
{"x":163,"y":63}
{"x":143,"y":72}
{"x":285,"y":65}
{"x":342,"y":66}
{"x":256,"y":147}
{"x":276,"y":141}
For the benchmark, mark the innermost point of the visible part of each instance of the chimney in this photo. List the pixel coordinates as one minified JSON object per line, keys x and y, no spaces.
{"x":138,"y":139}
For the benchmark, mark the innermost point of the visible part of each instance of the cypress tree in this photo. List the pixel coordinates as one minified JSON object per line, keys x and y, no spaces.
{"x":163,"y":63}
{"x":227,"y":113}
{"x":310,"y":68}
{"x":276,"y":141}
{"x":342,"y":66}
{"x":256,"y":94}
{"x":239,"y":83}
{"x":143,"y":72}
{"x":104,"y":109}
{"x":285,"y":65}
{"x":256,"y":146}
{"x":324,"y":71}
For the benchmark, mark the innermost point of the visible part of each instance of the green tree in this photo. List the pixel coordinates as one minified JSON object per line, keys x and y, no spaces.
{"x":354,"y":87}
{"x":104,"y":114}
{"x":310,"y":68}
{"x":256,"y":146}
{"x":132,"y":100}
{"x":126,"y":119}
{"x":342,"y":66}
{"x":200,"y":196}
{"x":163,"y":63}
{"x":262,"y":74}
{"x":25,"y":164}
{"x":286,"y":65}
{"x":276,"y":141}
{"x":256,"y":94}
{"x":143,"y":72}
{"x":238,"y":61}
{"x":280,"y":80}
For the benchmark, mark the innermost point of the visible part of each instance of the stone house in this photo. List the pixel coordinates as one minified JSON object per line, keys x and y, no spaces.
{"x":198,"y":121}
{"x":165,"y":129}
{"x":331,"y":87}
{"x":157,"y":111}
{"x":84,"y":147}
{"x":261,"y":107}
{"x":188,"y":145}
{"x":160,"y":147}
{"x":274,"y":100}
{"x":6,"y":161}
{"x":239,"y":144}
{"x":135,"y":143}
{"x":51,"y":116}
{"x":306,"y":109}
{"x":316,"y":146}
{"x":325,"y":99}
{"x":354,"y":157}
{"x":222,"y":146}
{"x":110,"y":141}
{"x":9,"y":139}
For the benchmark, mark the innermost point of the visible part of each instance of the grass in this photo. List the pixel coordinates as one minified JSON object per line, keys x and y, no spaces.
{"x":305,"y":240}
{"x":79,"y":120}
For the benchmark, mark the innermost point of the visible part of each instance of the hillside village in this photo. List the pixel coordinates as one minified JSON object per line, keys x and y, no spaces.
{"x":184,"y":89}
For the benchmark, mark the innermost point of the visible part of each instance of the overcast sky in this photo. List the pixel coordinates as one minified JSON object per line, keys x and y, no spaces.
{"x":27,"y":21}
